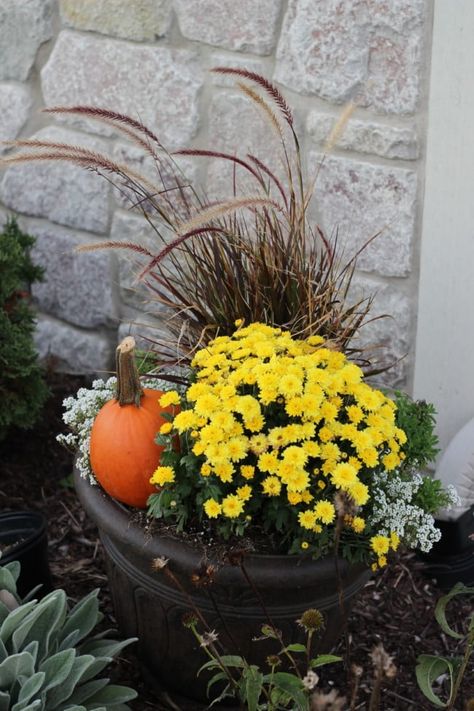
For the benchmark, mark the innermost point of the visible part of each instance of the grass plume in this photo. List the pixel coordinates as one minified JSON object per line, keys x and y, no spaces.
{"x":255,"y":257}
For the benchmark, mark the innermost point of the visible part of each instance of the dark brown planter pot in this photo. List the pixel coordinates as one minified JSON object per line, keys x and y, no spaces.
{"x":148,"y":605}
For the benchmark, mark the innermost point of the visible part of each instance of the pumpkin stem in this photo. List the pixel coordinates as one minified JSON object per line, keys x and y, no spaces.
{"x":129,"y":389}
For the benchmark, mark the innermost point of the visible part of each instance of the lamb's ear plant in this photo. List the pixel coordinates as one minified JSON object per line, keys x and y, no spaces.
{"x":431,"y":667}
{"x":49,"y":661}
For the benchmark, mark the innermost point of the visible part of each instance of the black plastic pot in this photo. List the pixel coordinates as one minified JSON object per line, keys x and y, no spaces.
{"x":150,"y":603}
{"x":451,"y":560}
{"x":23,"y":538}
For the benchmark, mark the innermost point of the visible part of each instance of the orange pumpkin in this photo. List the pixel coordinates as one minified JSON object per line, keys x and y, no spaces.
{"x":123,"y":452}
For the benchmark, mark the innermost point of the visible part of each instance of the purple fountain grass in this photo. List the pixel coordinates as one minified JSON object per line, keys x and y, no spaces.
{"x":254,"y":257}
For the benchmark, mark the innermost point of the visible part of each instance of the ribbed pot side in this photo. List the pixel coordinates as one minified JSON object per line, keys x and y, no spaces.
{"x":150,"y":606}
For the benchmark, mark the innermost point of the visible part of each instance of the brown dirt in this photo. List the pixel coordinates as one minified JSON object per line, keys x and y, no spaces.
{"x":396,"y":607}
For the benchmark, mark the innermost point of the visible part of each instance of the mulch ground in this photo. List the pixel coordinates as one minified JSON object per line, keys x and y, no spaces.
{"x":396,"y":607}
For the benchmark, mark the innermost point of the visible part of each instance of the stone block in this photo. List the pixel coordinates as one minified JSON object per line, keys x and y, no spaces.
{"x":144,"y":329}
{"x":73,"y":350}
{"x":24,"y":26}
{"x":389,"y":339}
{"x":140,"y":20}
{"x":16,"y":101}
{"x":365,"y":136}
{"x":135,"y":229}
{"x":359,"y":200}
{"x":251,"y":64}
{"x":245,"y":26}
{"x":78,"y":286}
{"x":238,"y":127}
{"x":366,"y":50}
{"x":156,"y":85}
{"x":164,"y":175}
{"x":58,"y":190}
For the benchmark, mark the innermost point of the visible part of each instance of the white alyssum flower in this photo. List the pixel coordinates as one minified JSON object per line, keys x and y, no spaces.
{"x":394,"y":510}
{"x":81,"y":411}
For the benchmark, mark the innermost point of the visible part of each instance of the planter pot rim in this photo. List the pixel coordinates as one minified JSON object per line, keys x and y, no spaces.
{"x":31,"y":523}
{"x":115,"y":520}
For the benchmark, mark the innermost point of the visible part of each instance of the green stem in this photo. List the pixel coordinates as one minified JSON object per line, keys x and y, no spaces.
{"x":469,"y":649}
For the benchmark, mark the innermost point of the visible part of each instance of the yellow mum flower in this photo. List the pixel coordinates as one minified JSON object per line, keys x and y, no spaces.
{"x":325,"y":434}
{"x":344,"y":476}
{"x":304,"y":545}
{"x":358,"y":524}
{"x":207,"y":404}
{"x":268,"y":462}
{"x":258,"y":443}
{"x":328,"y":411}
{"x":244,"y":492}
{"x":324,"y":511}
{"x":294,"y":498}
{"x":254,"y":423}
{"x":247,"y":471}
{"x":195,"y":390}
{"x":295,"y":406}
{"x":162,"y":475}
{"x":166,"y":428}
{"x":224,"y":470}
{"x":170,"y":398}
{"x":290,"y":385}
{"x":355,"y":414}
{"x":295,"y":456}
{"x":382,"y":561}
{"x":390,"y":461}
{"x":312,"y":449}
{"x":394,"y":540}
{"x":185,"y":420}
{"x":232,"y":506}
{"x":360,"y":493}
{"x":369,"y":456}
{"x":297,"y":481}
{"x":380,"y":544}
{"x":271,"y":486}
{"x":236,"y":448}
{"x":330,"y":451}
{"x":212,"y":508}
{"x":307,"y":519}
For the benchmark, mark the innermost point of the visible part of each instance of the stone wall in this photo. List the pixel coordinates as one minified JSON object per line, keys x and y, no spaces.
{"x":151,"y":59}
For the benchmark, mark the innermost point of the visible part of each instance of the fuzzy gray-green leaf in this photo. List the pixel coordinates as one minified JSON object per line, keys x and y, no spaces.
{"x":43,"y":621}
{"x":12,"y":622}
{"x":57,"y":668}
{"x":83,"y":617}
{"x":7,"y":580}
{"x":14,"y":666}
{"x":61,"y":693}
{"x":28,"y":690}
{"x":113,"y":695}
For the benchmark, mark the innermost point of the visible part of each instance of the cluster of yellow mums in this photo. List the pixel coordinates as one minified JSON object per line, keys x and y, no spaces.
{"x":272,"y":416}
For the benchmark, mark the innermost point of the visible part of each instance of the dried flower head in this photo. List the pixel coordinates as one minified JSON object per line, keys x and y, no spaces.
{"x":310,"y":680}
{"x":273,"y":661}
{"x":328,"y":702}
{"x":204,"y":576}
{"x":159,"y":563}
{"x":383,"y":661}
{"x":189,"y":620}
{"x":311,"y":620}
{"x":209,"y":638}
